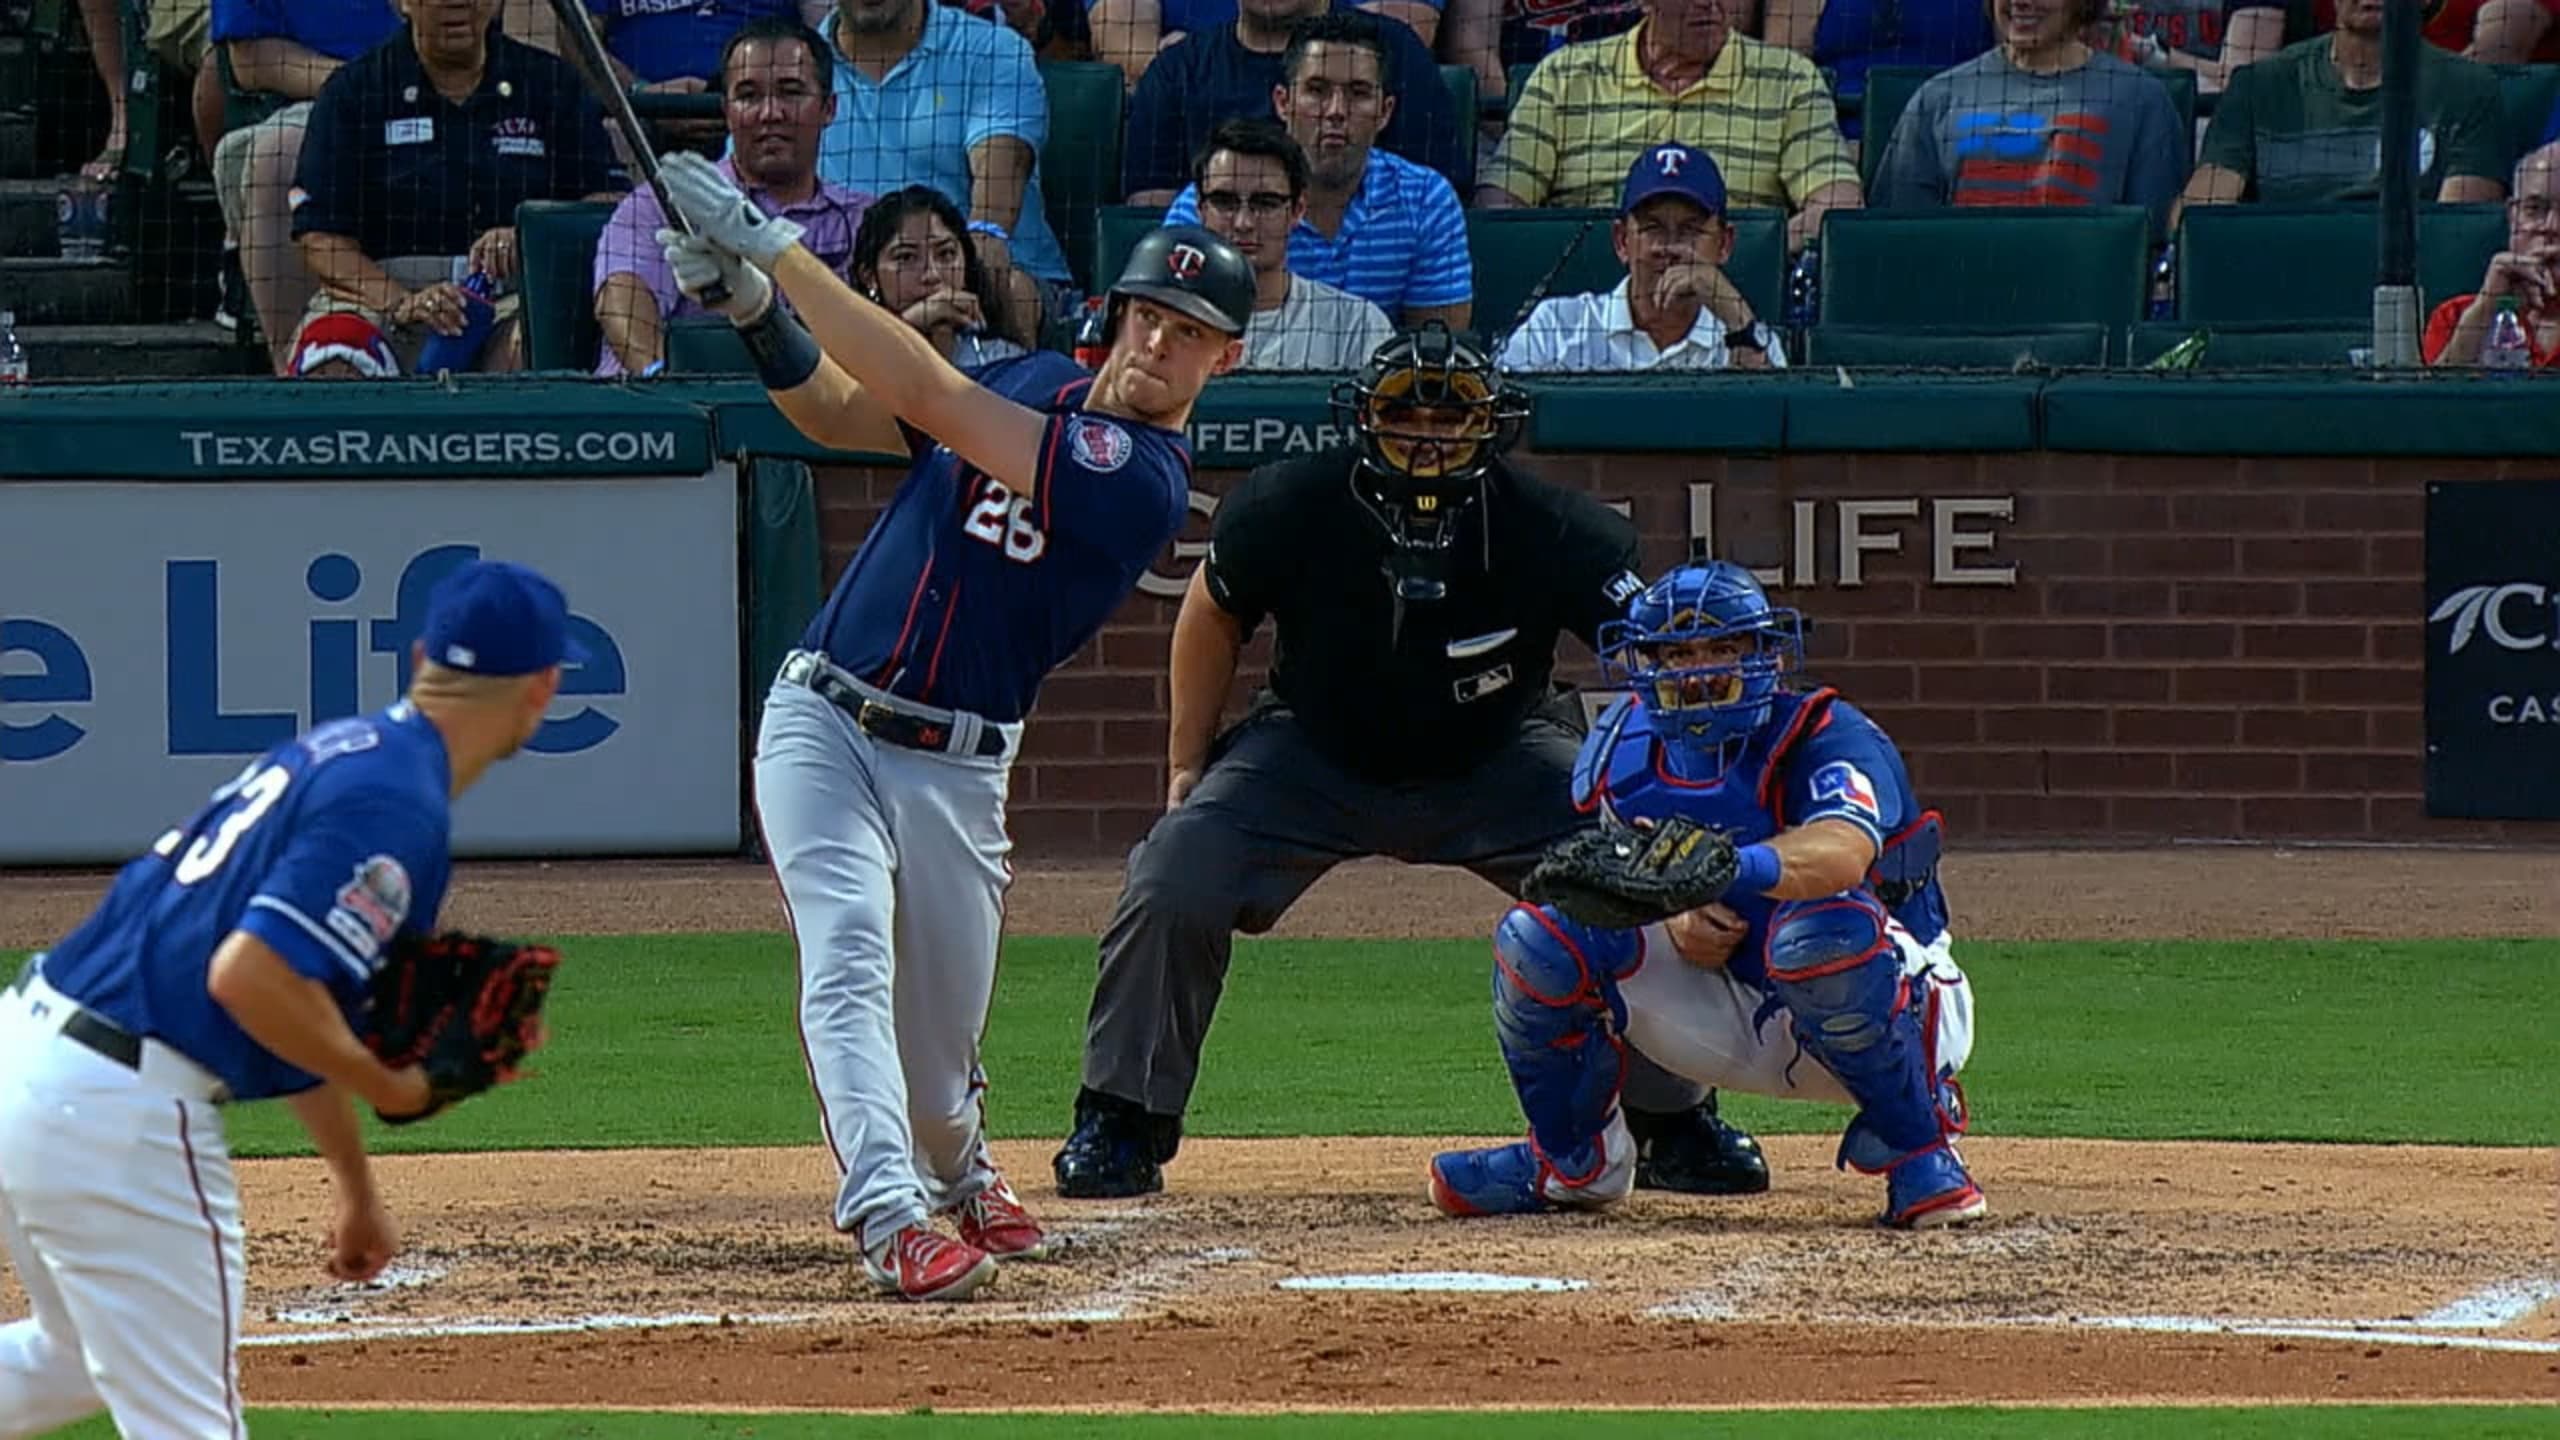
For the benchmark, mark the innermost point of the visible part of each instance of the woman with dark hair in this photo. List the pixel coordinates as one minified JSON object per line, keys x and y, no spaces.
{"x":912,"y":257}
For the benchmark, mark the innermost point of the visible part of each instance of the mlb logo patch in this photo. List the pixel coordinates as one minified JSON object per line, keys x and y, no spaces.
{"x":1099,"y":445}
{"x":1841,"y":783}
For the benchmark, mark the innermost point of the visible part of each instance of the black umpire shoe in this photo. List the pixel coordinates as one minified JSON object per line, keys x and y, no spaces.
{"x":1696,"y":1153}
{"x":1118,"y":1149}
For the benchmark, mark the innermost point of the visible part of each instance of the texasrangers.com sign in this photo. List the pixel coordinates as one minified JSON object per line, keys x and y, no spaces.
{"x":2493,"y":650}
{"x":153,"y":637}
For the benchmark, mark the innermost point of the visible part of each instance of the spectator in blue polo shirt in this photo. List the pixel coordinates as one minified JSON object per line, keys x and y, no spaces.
{"x":289,"y":49}
{"x":1229,"y":73}
{"x":928,"y":94}
{"x":1377,"y":225}
{"x":416,"y":158}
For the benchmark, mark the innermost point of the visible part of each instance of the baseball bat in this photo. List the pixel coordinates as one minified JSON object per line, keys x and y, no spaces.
{"x":580,"y":29}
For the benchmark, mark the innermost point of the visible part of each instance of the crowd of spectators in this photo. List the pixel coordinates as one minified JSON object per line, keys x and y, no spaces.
{"x":370,"y":155}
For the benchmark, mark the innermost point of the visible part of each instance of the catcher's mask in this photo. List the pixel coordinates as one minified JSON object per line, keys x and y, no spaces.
{"x":1431,"y":416}
{"x":1707,"y":651}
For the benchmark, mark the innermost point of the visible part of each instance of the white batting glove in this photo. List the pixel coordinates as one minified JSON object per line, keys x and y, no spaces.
{"x":716,"y":209}
{"x":697,"y":263}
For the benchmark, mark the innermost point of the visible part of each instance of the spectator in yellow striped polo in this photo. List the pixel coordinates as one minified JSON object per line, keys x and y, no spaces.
{"x":1682,"y":74}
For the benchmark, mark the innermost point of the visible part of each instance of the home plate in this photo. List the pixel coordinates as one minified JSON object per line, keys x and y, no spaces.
{"x":1434,"y":1280}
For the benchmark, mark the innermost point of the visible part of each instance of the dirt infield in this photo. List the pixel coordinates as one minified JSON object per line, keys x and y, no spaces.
{"x":1315,"y":1273}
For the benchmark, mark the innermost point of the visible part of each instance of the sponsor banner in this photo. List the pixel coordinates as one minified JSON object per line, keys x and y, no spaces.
{"x":2493,"y":650}
{"x":153,"y":637}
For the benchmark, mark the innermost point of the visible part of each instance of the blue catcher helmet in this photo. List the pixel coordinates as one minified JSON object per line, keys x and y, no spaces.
{"x":1696,"y":699}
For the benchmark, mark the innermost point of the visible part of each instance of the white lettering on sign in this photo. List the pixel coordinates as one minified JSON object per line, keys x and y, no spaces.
{"x":1959,"y":528}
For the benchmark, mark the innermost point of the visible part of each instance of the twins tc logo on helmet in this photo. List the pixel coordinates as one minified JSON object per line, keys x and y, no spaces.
{"x":1185,"y":262}
{"x":1843,"y":784}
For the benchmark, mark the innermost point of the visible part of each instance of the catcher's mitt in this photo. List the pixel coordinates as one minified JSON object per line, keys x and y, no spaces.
{"x":1618,"y":878}
{"x":466,"y":1008}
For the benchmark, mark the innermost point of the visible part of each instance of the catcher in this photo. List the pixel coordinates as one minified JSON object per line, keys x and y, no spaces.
{"x":1758,"y":910}
{"x":271,"y":946}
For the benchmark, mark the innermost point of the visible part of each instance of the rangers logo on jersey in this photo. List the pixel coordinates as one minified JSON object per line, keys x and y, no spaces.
{"x":1846,"y":785}
{"x":1099,"y":445}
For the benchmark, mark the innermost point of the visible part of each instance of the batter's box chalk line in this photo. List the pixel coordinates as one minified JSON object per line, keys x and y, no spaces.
{"x":1438,"y":1282}
{"x":2453,"y":1325}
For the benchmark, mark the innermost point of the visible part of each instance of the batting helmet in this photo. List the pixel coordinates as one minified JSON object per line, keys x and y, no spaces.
{"x":1714,"y":702}
{"x":1187,"y":268}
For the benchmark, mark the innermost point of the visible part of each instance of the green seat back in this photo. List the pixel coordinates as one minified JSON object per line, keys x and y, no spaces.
{"x":1513,"y":249}
{"x":2294,"y":264}
{"x":1080,"y":163}
{"x":556,"y":241}
{"x":1115,"y":230}
{"x":1758,"y":265}
{"x":1461,"y":80}
{"x":1889,"y":89}
{"x":2527,"y":93}
{"x":1517,"y":78}
{"x":706,"y":345}
{"x":2249,"y":347}
{"x":1991,"y":268}
{"x":1957,"y":347}
{"x":2182,"y":94}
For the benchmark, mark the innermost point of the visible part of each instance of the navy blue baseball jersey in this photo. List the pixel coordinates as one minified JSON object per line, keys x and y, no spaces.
{"x":324,"y":847}
{"x":966,"y":595}
{"x":1817,"y":758}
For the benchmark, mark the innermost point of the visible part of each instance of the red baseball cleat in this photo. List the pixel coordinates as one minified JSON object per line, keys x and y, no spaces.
{"x":919,"y":1264}
{"x":995,"y":1222}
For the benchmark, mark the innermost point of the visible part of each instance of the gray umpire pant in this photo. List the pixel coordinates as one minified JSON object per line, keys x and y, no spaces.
{"x":1269,"y":818}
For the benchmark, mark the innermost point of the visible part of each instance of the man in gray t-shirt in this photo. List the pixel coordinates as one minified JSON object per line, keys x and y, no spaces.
{"x":1252,"y":182}
{"x":2042,"y":120}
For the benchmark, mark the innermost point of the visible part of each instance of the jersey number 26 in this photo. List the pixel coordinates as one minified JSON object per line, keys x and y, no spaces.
{"x":1003,"y":519}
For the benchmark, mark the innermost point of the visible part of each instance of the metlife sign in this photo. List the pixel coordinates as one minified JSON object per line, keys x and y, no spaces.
{"x":154,"y":637}
{"x":2493,"y":650}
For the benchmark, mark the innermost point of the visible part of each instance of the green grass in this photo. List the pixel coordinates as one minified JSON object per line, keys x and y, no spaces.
{"x":2340,"y":1422}
{"x":690,"y":1041}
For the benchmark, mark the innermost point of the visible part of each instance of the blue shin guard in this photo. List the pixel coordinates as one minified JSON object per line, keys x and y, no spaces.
{"x":1838,"y":972}
{"x":1558,"y":1016}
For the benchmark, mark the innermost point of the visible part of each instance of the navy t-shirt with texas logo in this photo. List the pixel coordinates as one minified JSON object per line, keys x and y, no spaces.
{"x":966,"y":595}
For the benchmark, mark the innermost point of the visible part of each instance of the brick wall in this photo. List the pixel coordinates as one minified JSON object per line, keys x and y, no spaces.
{"x":2204,"y":648}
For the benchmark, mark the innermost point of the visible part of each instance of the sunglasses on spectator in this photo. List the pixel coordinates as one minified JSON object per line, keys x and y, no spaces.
{"x":1264,"y":203}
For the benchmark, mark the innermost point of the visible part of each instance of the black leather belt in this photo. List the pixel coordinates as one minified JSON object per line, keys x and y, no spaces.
{"x":94,"y":1030}
{"x":882,"y":721}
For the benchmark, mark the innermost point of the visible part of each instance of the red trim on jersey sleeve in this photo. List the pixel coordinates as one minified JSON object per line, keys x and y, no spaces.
{"x":1816,"y":708}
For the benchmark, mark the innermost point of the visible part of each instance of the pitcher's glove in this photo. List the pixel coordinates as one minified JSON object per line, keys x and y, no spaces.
{"x":1618,"y":878}
{"x":465,"y":1008}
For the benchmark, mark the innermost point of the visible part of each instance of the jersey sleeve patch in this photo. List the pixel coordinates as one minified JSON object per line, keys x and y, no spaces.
{"x":1099,"y":445}
{"x":1842,"y":788}
{"x":372,"y":905}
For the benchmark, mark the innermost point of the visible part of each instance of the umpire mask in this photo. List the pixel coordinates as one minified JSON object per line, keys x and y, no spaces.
{"x":1431,"y":417}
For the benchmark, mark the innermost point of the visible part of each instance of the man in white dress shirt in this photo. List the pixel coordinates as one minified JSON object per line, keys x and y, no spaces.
{"x":1676,"y":310}
{"x":1252,"y":182}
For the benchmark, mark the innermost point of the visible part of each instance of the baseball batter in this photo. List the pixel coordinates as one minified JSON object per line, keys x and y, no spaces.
{"x":233,"y":962}
{"x":1824,"y":974}
{"x":1036,"y":498}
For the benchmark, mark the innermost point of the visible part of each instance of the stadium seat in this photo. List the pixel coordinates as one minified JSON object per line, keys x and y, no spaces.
{"x":1115,"y":230}
{"x":2182,"y":94}
{"x":2246,"y":346}
{"x":1080,"y":163}
{"x":1889,"y":89}
{"x":706,"y":345}
{"x":1957,"y":347}
{"x":1512,"y":250}
{"x":2294,"y":264}
{"x":1991,"y":268}
{"x":1461,"y":80}
{"x":1758,"y":266}
{"x":2527,"y":93}
{"x":556,"y":240}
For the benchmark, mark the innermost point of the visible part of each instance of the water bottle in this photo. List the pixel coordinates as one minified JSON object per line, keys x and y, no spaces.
{"x":1092,"y":329}
{"x":1804,"y":288}
{"x":13,"y":356}
{"x":80,"y":219}
{"x":458,"y":353}
{"x":2506,"y":347}
{"x":2164,"y":283}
